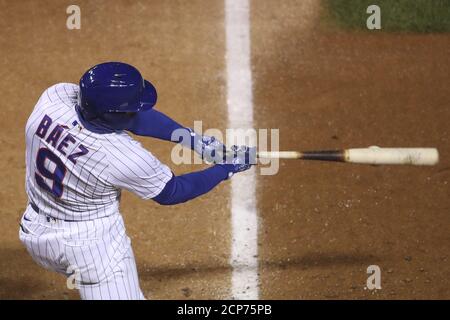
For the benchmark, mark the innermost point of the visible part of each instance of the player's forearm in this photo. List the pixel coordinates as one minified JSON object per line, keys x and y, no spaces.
{"x":189,"y":186}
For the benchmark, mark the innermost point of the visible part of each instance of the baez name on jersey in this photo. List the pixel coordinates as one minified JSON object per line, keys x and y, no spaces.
{"x":55,"y":139}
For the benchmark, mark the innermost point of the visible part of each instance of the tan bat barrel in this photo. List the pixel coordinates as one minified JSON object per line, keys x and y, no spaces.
{"x":279,"y":154}
{"x":372,"y":155}
{"x":400,"y":156}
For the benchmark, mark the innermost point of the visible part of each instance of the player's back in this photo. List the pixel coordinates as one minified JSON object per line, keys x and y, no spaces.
{"x":65,"y":163}
{"x":77,"y":174}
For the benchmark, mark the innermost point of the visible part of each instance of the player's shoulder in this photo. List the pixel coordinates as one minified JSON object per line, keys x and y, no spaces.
{"x":62,"y":92}
{"x":59,"y":85}
{"x":56,"y":101}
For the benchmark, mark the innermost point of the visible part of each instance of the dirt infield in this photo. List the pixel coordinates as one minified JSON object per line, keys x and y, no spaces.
{"x":321,"y":224}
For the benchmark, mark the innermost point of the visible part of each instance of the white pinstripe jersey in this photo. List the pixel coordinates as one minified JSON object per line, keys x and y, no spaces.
{"x":75,"y":174}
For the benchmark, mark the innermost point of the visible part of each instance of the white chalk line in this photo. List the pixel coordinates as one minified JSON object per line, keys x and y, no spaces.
{"x":244,"y":219}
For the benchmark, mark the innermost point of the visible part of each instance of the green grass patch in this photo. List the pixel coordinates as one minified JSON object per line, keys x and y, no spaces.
{"x":396,"y":15}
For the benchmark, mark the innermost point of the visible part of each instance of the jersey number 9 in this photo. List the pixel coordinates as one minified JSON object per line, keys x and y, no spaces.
{"x":56,"y":176}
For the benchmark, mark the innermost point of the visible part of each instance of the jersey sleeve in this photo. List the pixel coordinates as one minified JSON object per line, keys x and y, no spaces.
{"x":135,"y":169}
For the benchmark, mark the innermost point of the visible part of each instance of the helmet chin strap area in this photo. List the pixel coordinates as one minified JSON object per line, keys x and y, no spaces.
{"x":93,"y":123}
{"x":117,"y":120}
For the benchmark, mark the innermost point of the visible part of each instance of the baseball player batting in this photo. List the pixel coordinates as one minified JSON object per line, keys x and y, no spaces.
{"x":79,"y":158}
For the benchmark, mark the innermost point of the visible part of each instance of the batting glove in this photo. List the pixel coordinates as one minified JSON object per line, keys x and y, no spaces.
{"x":241,"y":158}
{"x":209,"y":148}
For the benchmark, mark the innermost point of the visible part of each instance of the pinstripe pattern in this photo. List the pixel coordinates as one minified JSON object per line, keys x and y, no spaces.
{"x":92,"y":185}
{"x":80,"y":226}
{"x":99,"y":249}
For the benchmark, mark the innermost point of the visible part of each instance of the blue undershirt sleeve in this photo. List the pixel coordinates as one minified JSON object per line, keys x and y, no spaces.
{"x":191,"y":185}
{"x":155,"y":124}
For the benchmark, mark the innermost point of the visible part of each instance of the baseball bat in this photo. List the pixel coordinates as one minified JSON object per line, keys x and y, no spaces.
{"x":372,"y":155}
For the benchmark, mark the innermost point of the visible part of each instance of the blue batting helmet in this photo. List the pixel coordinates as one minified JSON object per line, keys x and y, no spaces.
{"x":111,"y":90}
